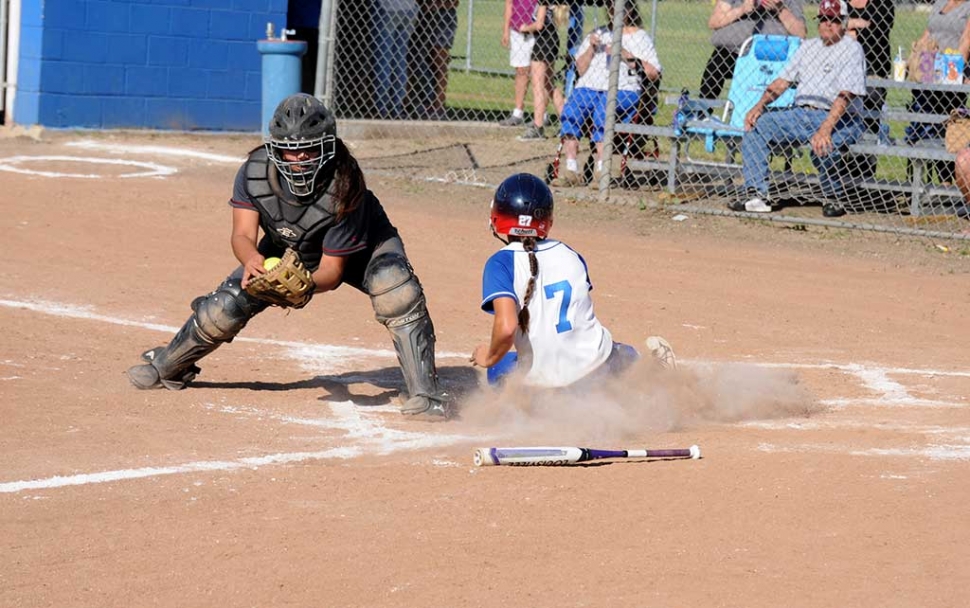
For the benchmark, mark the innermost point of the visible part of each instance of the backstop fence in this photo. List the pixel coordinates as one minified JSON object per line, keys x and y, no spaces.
{"x":451,"y":93}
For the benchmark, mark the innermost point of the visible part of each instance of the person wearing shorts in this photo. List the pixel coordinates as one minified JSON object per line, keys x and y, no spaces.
{"x":519,"y":37}
{"x":545,"y":50}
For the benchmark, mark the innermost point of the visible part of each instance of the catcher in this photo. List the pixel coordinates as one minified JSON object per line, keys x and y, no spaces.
{"x":307,"y":194}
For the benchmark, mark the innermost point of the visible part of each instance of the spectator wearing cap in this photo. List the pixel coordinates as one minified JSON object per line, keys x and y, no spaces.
{"x":830,"y":72}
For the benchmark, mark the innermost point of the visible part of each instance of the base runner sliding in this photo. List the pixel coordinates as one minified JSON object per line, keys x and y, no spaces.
{"x":538,"y":289}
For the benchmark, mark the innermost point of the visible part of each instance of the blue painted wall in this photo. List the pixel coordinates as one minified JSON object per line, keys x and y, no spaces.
{"x":161,"y":64}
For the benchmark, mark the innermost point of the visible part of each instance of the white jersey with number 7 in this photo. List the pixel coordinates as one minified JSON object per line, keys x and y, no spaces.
{"x":565,"y":341}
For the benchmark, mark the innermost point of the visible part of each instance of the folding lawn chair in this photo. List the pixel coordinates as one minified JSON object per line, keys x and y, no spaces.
{"x":760,"y":60}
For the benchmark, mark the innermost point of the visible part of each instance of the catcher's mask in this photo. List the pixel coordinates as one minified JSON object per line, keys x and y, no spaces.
{"x":522,"y":207}
{"x":301,"y":123}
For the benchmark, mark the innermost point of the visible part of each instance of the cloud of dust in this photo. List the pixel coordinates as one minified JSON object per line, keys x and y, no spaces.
{"x":644,"y":399}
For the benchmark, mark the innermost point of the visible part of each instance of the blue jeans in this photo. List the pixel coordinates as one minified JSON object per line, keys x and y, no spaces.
{"x":585,"y":103}
{"x":796,"y":126}
{"x":393,"y":34}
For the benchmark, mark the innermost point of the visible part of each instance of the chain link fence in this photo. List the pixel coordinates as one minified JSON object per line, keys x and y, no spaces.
{"x":457,"y":97}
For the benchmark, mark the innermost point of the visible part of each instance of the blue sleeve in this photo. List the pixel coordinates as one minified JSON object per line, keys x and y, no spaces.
{"x":498,"y":279}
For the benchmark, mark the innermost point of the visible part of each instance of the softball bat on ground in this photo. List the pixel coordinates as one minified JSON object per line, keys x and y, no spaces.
{"x":555,"y":456}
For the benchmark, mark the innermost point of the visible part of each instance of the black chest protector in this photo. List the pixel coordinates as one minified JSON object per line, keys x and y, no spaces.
{"x":300,"y":227}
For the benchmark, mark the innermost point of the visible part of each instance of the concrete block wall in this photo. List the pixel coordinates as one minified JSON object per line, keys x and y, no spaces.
{"x":160,"y":64}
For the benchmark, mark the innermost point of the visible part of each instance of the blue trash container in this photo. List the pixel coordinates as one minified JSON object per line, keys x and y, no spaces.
{"x":282,"y":68}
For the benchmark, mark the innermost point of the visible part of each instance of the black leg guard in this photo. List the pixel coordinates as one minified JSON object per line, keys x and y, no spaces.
{"x":216,"y":319}
{"x":414,"y":342}
{"x":399,"y":305}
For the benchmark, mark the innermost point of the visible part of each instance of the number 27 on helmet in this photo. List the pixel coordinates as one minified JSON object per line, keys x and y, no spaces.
{"x":522,"y":207}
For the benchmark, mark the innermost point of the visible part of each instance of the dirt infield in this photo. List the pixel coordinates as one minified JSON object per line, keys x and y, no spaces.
{"x":825,"y":377}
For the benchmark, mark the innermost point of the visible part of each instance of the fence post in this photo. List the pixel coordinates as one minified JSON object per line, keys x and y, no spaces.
{"x":468,"y":36}
{"x":321,"y":85}
{"x":616,"y":57}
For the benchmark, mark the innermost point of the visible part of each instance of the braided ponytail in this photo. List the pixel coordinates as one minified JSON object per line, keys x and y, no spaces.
{"x":529,"y":244}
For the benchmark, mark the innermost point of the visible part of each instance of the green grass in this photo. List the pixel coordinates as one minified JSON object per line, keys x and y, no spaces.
{"x":683,"y":44}
{"x":682,"y":39}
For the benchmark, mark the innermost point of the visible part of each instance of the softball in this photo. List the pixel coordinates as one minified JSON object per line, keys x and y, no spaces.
{"x":270,"y":263}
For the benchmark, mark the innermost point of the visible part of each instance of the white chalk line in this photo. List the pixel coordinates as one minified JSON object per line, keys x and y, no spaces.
{"x":845,"y":367}
{"x":299,"y":350}
{"x":866,"y":371}
{"x":156,"y":150}
{"x":845,"y":402}
{"x":364,"y":427}
{"x":834,"y":424}
{"x":12,"y":164}
{"x":254,"y":462}
{"x":393,"y":439}
{"x":360,"y":423}
{"x":933,"y":452}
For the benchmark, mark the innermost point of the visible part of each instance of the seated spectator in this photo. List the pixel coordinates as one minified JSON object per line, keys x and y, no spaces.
{"x":830,"y":72}
{"x":949,"y":26}
{"x":588,"y":99}
{"x":733,"y":22}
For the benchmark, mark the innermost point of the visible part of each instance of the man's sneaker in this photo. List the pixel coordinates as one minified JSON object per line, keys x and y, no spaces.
{"x":662,"y":352}
{"x":568,"y":179}
{"x":831,"y":210}
{"x":532,"y":133}
{"x":752,"y":202}
{"x":512,"y":121}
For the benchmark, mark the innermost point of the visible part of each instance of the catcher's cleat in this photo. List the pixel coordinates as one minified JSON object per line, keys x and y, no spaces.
{"x":146,"y":377}
{"x":431,"y":409}
{"x":662,"y":352}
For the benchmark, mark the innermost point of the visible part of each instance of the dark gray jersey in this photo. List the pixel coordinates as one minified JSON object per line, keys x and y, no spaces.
{"x":312,"y":229}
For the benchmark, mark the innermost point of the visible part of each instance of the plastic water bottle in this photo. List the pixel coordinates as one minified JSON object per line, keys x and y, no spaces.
{"x":899,"y":67}
{"x":680,"y":115}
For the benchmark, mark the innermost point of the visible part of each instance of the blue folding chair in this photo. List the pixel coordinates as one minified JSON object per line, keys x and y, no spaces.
{"x":760,"y":60}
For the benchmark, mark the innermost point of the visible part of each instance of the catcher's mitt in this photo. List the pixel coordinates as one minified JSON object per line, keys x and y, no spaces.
{"x":288,"y":284}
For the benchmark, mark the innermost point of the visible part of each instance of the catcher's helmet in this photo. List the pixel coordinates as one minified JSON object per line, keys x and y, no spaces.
{"x":522,"y":206}
{"x":301,"y":123}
